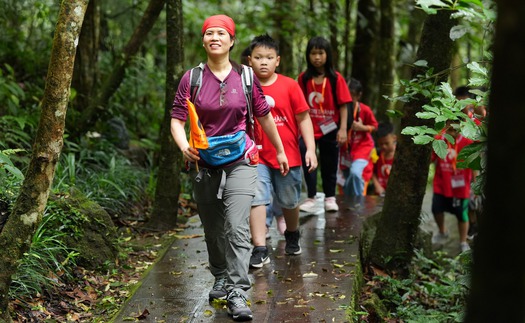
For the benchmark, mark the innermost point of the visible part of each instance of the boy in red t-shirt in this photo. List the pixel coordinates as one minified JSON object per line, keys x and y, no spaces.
{"x":451,"y":189}
{"x":291,"y":114}
{"x":386,"y":143}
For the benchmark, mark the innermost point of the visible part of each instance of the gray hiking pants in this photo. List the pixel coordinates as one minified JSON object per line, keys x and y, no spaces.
{"x":224,"y":199}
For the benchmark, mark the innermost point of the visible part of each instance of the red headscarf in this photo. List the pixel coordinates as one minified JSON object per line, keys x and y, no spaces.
{"x":220,"y":21}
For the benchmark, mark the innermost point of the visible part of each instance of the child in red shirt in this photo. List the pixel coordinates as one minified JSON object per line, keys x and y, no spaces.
{"x":386,"y":142}
{"x":451,"y":189}
{"x":355,"y":154}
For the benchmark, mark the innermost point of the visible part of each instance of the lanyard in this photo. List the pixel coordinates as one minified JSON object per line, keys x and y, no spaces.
{"x":322,"y":93}
{"x":454,"y":160}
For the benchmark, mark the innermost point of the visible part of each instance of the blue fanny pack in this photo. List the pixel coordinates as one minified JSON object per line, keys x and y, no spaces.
{"x":225,"y":149}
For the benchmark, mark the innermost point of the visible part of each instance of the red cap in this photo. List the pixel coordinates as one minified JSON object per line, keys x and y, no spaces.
{"x":219,"y":21}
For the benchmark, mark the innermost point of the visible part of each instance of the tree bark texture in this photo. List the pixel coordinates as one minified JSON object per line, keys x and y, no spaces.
{"x":365,"y":47}
{"x":333,"y":17}
{"x":386,"y":59}
{"x":286,"y":27}
{"x":97,"y":108}
{"x":26,"y":215}
{"x":498,"y":278}
{"x":346,"y":38}
{"x":86,"y":61}
{"x":393,"y":244}
{"x":165,"y":207}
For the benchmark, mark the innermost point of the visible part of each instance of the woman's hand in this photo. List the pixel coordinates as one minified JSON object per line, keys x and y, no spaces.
{"x":191,"y":154}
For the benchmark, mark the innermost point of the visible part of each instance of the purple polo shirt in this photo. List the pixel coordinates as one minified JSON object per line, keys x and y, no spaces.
{"x":220,"y":113}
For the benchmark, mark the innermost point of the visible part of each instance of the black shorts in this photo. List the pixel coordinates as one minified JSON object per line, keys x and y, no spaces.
{"x":458,"y":207}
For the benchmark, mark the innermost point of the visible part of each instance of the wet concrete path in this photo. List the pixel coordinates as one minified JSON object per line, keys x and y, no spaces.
{"x":315,"y":286}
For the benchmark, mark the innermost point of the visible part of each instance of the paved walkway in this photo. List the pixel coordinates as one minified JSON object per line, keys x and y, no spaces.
{"x":315,"y":286}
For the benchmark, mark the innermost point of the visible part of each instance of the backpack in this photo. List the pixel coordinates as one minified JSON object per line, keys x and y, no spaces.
{"x":247,"y":85}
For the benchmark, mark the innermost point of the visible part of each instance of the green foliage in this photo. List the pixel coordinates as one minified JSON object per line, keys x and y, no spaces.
{"x":47,"y":264}
{"x":434,"y":292}
{"x":102,"y":173}
{"x":444,"y":107}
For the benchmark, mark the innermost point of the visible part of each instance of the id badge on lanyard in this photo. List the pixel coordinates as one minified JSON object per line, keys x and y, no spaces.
{"x":328,"y":124}
{"x":457,"y":181}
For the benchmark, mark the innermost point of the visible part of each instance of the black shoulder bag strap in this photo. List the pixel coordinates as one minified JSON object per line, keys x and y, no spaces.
{"x":196,"y":81}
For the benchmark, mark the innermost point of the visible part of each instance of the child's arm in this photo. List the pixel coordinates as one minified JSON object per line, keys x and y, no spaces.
{"x":342,"y":133}
{"x":380,"y":190}
{"x":307,"y":132}
{"x":268,"y":125}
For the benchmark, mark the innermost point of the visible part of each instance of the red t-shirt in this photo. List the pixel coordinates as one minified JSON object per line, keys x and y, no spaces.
{"x":450,"y":181}
{"x":382,"y":169}
{"x":286,"y":99}
{"x":321,"y":102}
{"x":361,"y":142}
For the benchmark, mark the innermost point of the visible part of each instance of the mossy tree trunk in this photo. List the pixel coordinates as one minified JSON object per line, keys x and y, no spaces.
{"x":393,"y":244}
{"x":86,"y":76}
{"x":167,"y":192}
{"x":497,"y":291}
{"x":365,"y":47}
{"x":346,"y":38}
{"x":97,"y":107}
{"x":386,"y":59}
{"x":283,"y":10}
{"x":26,"y":215}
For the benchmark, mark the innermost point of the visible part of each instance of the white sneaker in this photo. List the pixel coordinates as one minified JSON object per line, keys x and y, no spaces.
{"x":440,"y":238}
{"x":464,"y":246}
{"x":308,"y":205}
{"x":330,"y":204}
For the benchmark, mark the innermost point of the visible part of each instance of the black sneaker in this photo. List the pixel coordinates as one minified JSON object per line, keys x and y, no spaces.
{"x":292,"y":242}
{"x":259,"y":257}
{"x":238,"y":307}
{"x":219,"y":289}
{"x":472,"y":231}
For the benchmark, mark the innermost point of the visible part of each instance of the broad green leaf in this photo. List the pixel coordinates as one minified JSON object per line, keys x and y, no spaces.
{"x":450,"y":139}
{"x":432,"y":109}
{"x":477,"y":81}
{"x":421,"y":63}
{"x":457,"y":32}
{"x":410,"y":131}
{"x":475,"y":68}
{"x":422,"y":139}
{"x":426,"y":4}
{"x":15,"y":171}
{"x":426,"y":115}
{"x":447,"y":90}
{"x":440,"y":147}
{"x":470,"y":130}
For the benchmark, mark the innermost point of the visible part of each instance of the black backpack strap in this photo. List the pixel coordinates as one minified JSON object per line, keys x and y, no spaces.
{"x":196,"y":81}
{"x":247,"y":84}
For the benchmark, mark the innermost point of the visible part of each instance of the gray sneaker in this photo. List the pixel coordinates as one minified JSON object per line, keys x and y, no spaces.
{"x":219,"y":289}
{"x":238,"y":306}
{"x":292,"y":242}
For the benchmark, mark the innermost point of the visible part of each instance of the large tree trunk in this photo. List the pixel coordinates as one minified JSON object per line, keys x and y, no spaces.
{"x":365,"y":47}
{"x":393,"y":244}
{"x":167,"y":192}
{"x":86,"y":61}
{"x":346,"y":38}
{"x":97,"y":107}
{"x":333,"y":17}
{"x":27,"y":212}
{"x":498,"y":276}
{"x":386,"y":60}
{"x":286,"y":27}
